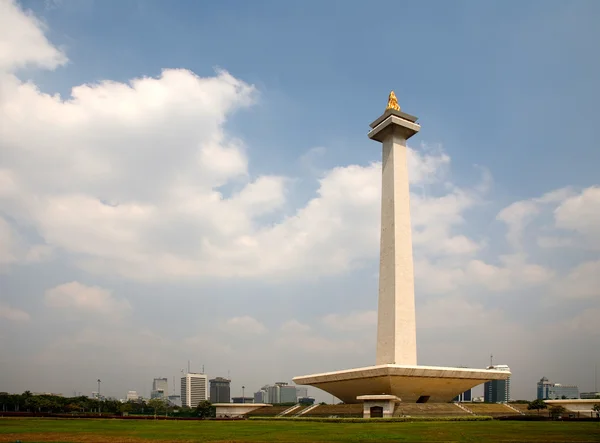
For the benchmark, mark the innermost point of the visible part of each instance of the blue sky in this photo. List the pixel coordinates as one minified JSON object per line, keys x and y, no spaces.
{"x":507,"y":97}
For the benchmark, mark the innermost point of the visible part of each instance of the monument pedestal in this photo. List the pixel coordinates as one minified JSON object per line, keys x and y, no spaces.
{"x":414,"y":384}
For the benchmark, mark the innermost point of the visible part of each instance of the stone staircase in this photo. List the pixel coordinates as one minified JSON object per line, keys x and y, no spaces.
{"x":305,"y":410}
{"x":464,"y":408}
{"x":514,"y":409}
{"x":289,"y":410}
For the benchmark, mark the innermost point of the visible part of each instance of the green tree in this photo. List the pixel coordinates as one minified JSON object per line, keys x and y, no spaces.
{"x":158,"y":405}
{"x":537,"y":405}
{"x":126,"y":408}
{"x":557,"y":411}
{"x":205,"y":409}
{"x":596,"y":409}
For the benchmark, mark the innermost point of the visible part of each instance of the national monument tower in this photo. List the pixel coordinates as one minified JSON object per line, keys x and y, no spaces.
{"x":396,"y":372}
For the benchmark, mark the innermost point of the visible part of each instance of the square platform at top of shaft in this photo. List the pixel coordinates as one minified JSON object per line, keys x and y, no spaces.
{"x":393,"y":121}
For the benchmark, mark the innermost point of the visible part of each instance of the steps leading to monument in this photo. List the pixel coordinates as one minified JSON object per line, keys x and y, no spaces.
{"x":514,"y":409}
{"x":289,"y":410}
{"x":464,"y":408}
{"x":304,"y":411}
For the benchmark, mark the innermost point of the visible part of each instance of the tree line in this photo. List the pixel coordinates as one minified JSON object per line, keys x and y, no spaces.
{"x":28,"y":402}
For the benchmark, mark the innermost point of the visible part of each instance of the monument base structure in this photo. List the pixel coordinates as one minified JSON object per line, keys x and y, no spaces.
{"x":413,"y":384}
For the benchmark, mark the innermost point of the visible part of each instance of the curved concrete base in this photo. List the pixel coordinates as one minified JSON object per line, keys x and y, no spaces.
{"x":410,"y":383}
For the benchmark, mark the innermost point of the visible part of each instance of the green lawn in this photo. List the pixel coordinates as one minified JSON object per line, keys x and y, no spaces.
{"x":81,"y":430}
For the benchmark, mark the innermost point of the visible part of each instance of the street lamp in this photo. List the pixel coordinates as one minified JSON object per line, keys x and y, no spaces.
{"x":243,"y":396}
{"x":99,"y":411}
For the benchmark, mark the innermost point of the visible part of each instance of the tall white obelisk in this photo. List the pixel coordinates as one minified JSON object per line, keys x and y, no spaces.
{"x":396,"y":325}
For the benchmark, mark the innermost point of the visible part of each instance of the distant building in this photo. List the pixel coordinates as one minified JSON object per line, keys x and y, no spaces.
{"x":465,"y":396}
{"x":555,"y":391}
{"x":175,"y":400}
{"x":497,"y":391}
{"x":132,"y":395}
{"x":261,"y":396}
{"x":220,"y":391}
{"x":287,"y":394}
{"x":589,"y":395}
{"x":159,"y":388}
{"x":194,"y":389}
{"x":301,"y":392}
{"x":280,"y":392}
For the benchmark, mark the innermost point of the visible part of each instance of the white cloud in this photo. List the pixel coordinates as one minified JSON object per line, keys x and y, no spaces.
{"x":244,"y":325}
{"x":352,"y":321}
{"x":456,"y":312}
{"x":585,"y":323}
{"x":583,"y":281}
{"x":28,"y":44}
{"x":294,"y":327}
{"x":517,"y":216}
{"x":14,"y":249}
{"x":319,"y":345}
{"x":127,"y":179}
{"x":13,"y":314}
{"x":581,"y":213}
{"x":79,"y":297}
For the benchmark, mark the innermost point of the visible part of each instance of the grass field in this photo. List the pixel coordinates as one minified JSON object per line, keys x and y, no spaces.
{"x":88,"y":431}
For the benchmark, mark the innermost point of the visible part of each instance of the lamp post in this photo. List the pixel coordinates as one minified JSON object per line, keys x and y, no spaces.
{"x":99,"y":411}
{"x":243,"y":395}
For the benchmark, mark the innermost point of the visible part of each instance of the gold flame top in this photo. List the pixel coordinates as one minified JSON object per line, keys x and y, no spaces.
{"x":393,"y":102}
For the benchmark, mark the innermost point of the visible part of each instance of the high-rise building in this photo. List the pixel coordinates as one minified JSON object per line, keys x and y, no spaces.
{"x":555,"y":391}
{"x":261,"y":396}
{"x":132,"y":395}
{"x":159,"y":388}
{"x":287,"y":394}
{"x":465,"y":396}
{"x":220,"y":391}
{"x":280,"y":392}
{"x":194,"y":389}
{"x":497,"y":391}
{"x":301,"y":392}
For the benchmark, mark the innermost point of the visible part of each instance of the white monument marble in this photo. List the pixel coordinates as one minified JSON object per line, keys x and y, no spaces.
{"x":396,"y":371}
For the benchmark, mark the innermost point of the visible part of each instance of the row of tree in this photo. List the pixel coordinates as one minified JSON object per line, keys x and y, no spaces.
{"x":28,"y":402}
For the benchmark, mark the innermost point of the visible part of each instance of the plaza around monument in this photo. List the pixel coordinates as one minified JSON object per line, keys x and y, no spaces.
{"x":396,"y":374}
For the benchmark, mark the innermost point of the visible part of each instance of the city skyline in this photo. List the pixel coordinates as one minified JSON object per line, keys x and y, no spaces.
{"x":196,"y":182}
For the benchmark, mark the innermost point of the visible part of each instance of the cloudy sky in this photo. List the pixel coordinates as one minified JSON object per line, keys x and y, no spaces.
{"x":193,"y":181}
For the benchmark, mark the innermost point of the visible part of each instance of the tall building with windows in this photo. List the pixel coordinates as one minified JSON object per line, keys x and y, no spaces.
{"x":465,"y":396}
{"x":497,"y":391}
{"x":194,"y":389}
{"x":555,"y":391}
{"x":220,"y":391}
{"x":159,"y":388}
{"x":280,"y":392}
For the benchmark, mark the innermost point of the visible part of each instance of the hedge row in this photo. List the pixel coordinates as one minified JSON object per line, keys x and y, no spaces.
{"x":370,"y":420}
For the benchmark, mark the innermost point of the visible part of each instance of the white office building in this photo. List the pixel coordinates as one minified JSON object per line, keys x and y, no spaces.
{"x":132,"y":395}
{"x":194,"y":389}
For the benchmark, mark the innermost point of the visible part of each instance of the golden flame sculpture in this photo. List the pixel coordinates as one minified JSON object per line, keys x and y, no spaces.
{"x":393,"y":102}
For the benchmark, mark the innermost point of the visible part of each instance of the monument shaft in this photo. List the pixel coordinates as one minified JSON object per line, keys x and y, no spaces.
{"x":396,"y":324}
